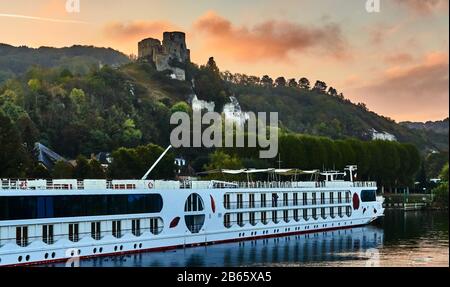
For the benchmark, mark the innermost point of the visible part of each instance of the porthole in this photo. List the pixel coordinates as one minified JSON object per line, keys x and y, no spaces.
{"x":115,"y":248}
{"x":140,"y":245}
{"x":46,"y":255}
{"x":101,"y":249}
{"x":95,"y":250}
{"x":135,"y":246}
{"x":53,"y":255}
{"x":121,"y":247}
{"x":27,"y":258}
{"x":79,"y":251}
{"x":19,"y":259}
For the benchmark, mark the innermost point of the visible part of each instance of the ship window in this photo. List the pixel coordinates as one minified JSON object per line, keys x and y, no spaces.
{"x":22,"y":235}
{"x":348,"y":211}
{"x":47,"y":234}
{"x":251,"y":200}
{"x":305,"y":214}
{"x":285,"y":199}
{"x":274,"y":200}
{"x":226,"y":201}
{"x":274,"y":216}
{"x":74,"y":232}
{"x":347,"y":197}
{"x":286,"y":215}
{"x":264,"y":217}
{"x":322,"y":213}
{"x":240,"y":219}
{"x":193,"y":203}
{"x":96,"y":230}
{"x":252,"y":219}
{"x":340,"y":211}
{"x":263,"y":200}
{"x":116,"y":229}
{"x":194,"y":222}
{"x":38,"y":207}
{"x":296,"y":218}
{"x":314,"y":198}
{"x":332,"y":212}
{"x":314,"y":213}
{"x":305,"y":198}
{"x":156,"y":225}
{"x":136,"y":227}
{"x":227,"y":220}
{"x":340,"y":197}
{"x":331,"y":197}
{"x":322,"y":198}
{"x":295,"y":199}
{"x":240,"y":203}
{"x":368,"y":196}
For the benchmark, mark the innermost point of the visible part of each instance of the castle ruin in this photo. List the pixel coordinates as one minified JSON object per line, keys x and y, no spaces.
{"x":171,"y":55}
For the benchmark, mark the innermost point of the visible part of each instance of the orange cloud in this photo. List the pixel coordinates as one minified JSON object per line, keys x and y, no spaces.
{"x":416,"y":92}
{"x":424,"y":6}
{"x":135,"y":31}
{"x":274,"y":40}
{"x":399,"y":58}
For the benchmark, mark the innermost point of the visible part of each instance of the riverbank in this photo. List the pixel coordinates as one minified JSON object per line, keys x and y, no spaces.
{"x":411,"y":202}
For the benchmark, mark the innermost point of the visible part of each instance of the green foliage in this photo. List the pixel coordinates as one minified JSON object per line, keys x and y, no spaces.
{"x":181,"y":107}
{"x":14,"y":160}
{"x":209,"y":85}
{"x":62,"y":170}
{"x":14,"y":61}
{"x":88,"y":169}
{"x":133,"y":163}
{"x":440,"y":193}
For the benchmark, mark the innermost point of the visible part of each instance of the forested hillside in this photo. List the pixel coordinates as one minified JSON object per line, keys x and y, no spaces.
{"x":108,"y":109}
{"x":15,"y":61}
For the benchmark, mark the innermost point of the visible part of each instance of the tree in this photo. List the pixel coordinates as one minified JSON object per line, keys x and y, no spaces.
{"x":267,"y":81}
{"x":303,"y":83}
{"x":132,"y":163}
{"x":62,"y":170}
{"x":96,"y":170}
{"x":332,"y":92}
{"x":211,"y":65}
{"x":280,"y":82}
{"x":320,"y":86}
{"x":181,"y":107}
{"x":292,"y":83}
{"x":82,"y":168}
{"x":440,"y":193}
{"x":14,"y":160}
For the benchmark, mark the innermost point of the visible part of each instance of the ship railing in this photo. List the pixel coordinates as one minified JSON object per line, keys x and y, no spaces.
{"x":26,"y":241}
{"x":280,"y":219}
{"x":364,"y":184}
{"x":284,"y":203}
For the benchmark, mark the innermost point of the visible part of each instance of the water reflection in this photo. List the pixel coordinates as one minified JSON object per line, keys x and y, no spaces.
{"x":400,"y":239}
{"x":336,"y":245}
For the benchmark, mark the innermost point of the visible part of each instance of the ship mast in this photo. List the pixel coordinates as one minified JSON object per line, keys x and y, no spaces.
{"x":156,"y":162}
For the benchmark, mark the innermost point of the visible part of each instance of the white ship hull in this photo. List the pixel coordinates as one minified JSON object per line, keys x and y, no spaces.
{"x":211,"y":216}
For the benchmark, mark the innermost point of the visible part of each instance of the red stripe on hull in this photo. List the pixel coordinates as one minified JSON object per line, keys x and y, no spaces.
{"x":156,"y":249}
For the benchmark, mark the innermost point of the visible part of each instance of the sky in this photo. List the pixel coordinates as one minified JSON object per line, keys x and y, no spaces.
{"x":395,"y":59}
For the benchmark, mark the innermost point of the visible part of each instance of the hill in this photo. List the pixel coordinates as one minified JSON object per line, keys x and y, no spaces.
{"x":15,"y":61}
{"x":439,"y":127}
{"x":316,"y":113}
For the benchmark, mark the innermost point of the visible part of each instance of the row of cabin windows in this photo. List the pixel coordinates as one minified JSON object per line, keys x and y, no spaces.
{"x":298,"y":214}
{"x":285,"y":200}
{"x":74,"y":233}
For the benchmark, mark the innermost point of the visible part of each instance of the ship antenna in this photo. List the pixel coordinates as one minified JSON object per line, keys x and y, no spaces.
{"x":156,"y":162}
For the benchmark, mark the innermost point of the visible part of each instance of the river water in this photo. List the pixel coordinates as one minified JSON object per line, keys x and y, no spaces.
{"x":412,"y":238}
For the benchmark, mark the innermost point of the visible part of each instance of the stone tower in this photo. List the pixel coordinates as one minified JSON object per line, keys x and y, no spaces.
{"x":173,"y":49}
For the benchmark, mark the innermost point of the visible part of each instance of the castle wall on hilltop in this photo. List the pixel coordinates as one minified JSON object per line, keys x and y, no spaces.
{"x":173,"y":49}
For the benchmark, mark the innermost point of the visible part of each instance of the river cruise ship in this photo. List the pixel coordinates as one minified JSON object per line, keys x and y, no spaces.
{"x":57,"y":220}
